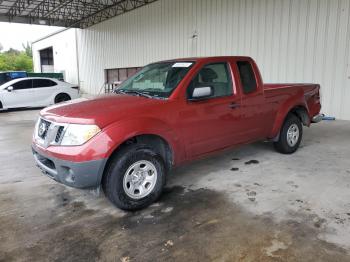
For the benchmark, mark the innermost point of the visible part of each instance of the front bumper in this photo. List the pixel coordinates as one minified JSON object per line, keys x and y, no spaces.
{"x":86,"y":174}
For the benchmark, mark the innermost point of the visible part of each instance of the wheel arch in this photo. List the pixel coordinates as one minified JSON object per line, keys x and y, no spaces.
{"x":302,"y":113}
{"x":156,"y":142}
{"x":61,"y":93}
{"x":300,"y":110}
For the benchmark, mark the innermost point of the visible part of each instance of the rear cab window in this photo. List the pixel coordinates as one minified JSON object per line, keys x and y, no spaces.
{"x":247,"y":77}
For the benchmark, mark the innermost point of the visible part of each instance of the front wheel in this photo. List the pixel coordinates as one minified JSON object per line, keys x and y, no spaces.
{"x":290,"y":135}
{"x":134,"y":178}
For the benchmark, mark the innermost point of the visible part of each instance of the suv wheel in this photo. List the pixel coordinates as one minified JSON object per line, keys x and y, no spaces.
{"x":290,"y":135}
{"x":134,"y":178}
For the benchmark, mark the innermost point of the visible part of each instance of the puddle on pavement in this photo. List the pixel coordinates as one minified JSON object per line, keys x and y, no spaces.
{"x":184,"y":225}
{"x":252,"y":162}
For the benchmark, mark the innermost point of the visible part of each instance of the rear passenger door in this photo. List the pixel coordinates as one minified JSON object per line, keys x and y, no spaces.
{"x":253,"y":109}
{"x":43,"y":89}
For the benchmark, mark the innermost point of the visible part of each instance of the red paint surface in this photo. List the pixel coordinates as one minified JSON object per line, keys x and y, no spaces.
{"x":192,"y":129}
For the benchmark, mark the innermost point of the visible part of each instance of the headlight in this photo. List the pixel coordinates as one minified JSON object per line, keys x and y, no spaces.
{"x":76,"y":135}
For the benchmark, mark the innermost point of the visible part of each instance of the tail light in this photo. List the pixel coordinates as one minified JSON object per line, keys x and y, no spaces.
{"x":76,"y":88}
{"x":318,"y":97}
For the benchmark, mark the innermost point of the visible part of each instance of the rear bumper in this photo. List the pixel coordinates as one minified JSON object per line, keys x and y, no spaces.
{"x":86,"y":174}
{"x":317,"y":118}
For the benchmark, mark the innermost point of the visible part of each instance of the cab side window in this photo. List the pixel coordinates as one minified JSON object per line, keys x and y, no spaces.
{"x":24,"y":84}
{"x":247,"y":76}
{"x":215,"y":75}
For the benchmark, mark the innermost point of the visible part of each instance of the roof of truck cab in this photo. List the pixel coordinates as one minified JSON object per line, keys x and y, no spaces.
{"x":204,"y":58}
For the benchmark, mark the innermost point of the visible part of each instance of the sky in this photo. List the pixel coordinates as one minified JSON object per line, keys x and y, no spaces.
{"x":13,"y":35}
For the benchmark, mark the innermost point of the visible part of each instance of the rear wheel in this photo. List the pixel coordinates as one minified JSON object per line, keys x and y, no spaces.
{"x":134,"y":178}
{"x":62,"y":98}
{"x":290,"y":135}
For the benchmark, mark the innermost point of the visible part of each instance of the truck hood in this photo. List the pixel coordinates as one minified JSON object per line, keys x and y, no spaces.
{"x":101,"y":111}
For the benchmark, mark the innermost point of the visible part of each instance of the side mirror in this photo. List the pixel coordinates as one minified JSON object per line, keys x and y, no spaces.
{"x":10,"y":88}
{"x":202,"y":92}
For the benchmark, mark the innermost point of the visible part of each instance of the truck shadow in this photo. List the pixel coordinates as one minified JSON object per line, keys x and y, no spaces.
{"x":225,"y":160}
{"x":20,"y":109}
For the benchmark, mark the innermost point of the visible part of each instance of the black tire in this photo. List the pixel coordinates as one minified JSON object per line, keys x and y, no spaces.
{"x":113,"y":179}
{"x":282,"y":145}
{"x":0,"y":105}
{"x":62,"y":98}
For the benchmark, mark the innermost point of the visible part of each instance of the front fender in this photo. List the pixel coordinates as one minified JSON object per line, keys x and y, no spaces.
{"x":121,"y":131}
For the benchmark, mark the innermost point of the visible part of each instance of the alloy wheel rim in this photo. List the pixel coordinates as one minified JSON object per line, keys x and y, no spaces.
{"x":293,"y":134}
{"x":140,"y":179}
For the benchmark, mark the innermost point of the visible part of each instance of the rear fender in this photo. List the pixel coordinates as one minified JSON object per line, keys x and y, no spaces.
{"x":297,"y":102}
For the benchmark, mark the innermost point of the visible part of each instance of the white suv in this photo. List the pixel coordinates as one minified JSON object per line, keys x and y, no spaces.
{"x":35,"y":92}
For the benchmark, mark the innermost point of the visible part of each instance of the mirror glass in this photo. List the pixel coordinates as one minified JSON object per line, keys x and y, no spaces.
{"x":201,"y":92}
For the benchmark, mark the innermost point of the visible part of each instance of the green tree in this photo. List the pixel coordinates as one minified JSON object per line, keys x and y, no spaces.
{"x":12,"y":51}
{"x":28,"y":49}
{"x":14,"y":60}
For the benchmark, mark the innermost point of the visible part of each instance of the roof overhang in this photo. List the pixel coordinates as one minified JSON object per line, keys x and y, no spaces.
{"x":65,"y":13}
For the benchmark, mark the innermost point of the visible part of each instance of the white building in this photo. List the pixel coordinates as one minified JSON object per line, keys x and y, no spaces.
{"x":291,"y":40}
{"x":57,"y":53}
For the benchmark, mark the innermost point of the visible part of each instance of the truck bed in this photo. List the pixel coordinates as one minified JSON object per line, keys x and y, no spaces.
{"x":309,"y":89}
{"x":280,"y":96}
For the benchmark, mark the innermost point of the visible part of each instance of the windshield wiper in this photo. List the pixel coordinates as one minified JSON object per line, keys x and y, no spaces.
{"x":119,"y":91}
{"x":134,"y":92}
{"x":124,"y":92}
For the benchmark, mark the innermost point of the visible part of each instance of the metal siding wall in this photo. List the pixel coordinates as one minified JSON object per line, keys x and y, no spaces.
{"x":291,"y":40}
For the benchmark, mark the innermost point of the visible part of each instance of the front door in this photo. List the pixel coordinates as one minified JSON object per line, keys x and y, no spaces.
{"x":212,"y":123}
{"x":20,"y":96}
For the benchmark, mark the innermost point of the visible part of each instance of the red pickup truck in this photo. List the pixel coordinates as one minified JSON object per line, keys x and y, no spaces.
{"x":168,"y":113}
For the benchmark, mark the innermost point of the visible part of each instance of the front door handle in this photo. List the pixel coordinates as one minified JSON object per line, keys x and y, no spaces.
{"x":234,"y":105}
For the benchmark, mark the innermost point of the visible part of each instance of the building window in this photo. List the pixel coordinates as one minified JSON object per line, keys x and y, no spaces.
{"x":46,"y":60}
{"x":117,"y":75}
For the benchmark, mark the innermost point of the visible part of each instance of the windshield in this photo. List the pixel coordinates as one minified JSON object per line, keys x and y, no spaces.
{"x":156,"y":80}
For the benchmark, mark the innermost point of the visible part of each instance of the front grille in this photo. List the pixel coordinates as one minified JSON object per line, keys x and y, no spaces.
{"x":49,"y":133}
{"x":43,"y":128}
{"x":59,"y":134}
